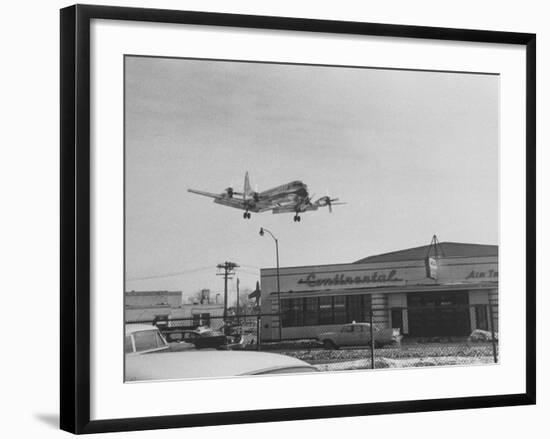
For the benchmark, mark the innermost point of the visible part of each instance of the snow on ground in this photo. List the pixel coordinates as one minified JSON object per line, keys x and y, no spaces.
{"x":383,"y":363}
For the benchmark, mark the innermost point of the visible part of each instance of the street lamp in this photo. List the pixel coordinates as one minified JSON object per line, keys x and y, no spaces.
{"x":262,"y":233}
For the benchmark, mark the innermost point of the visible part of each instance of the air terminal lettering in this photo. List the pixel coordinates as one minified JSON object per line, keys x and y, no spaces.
{"x":489,"y":274}
{"x":341,"y":279}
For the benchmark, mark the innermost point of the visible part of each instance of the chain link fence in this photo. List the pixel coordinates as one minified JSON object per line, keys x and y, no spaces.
{"x":445,"y":335}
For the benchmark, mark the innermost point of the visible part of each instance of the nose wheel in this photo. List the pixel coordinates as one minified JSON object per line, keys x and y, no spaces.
{"x":246,"y":215}
{"x":297,"y":218}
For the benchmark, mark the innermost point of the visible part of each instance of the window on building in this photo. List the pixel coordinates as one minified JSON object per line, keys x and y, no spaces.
{"x":340,"y":312}
{"x":292,"y":312}
{"x":196,"y":319}
{"x":311,"y":311}
{"x":325,"y":310}
{"x":297,"y":312}
{"x":285,"y":312}
{"x":205,"y":319}
{"x":355,"y":309}
{"x":397,"y":319}
{"x":482,"y":322}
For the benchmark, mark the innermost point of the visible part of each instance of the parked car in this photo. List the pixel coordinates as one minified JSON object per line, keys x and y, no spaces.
{"x":359,"y":334}
{"x":202,"y":338}
{"x":143,"y":339}
{"x":207,"y":364}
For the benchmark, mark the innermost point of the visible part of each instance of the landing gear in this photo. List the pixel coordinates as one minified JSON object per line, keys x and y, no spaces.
{"x":246,"y":215}
{"x":297,"y":218}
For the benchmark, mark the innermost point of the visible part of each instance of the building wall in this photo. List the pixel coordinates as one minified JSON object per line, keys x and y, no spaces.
{"x":379,"y":275}
{"x":152,"y":298}
{"x":145,"y":314}
{"x":380,"y":312}
{"x":146,"y":305}
{"x":387,"y":284}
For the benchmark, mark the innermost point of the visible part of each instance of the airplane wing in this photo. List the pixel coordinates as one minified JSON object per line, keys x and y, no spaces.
{"x":285,"y":209}
{"x":295,"y":208}
{"x":239,"y":203}
{"x":224,"y":200}
{"x":206,"y":194}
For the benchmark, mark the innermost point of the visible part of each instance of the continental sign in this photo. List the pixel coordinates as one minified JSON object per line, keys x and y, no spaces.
{"x":311,"y":280}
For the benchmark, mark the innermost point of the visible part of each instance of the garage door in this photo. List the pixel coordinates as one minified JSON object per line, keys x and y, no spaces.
{"x":438,"y":314}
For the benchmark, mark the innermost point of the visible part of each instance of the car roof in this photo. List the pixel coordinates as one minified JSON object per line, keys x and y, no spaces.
{"x":207,"y":364}
{"x":136,"y":327}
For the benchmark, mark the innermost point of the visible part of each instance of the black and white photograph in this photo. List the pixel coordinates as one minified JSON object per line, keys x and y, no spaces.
{"x":295,"y":218}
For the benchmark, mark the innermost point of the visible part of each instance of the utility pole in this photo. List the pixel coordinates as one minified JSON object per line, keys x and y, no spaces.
{"x":227,"y":273}
{"x":238,"y":309}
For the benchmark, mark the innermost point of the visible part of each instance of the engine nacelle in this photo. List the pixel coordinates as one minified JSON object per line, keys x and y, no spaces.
{"x":323,"y":201}
{"x":229,"y":192}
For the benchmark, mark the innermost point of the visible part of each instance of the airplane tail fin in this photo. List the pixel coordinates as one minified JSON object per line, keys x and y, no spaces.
{"x":247,"y":189}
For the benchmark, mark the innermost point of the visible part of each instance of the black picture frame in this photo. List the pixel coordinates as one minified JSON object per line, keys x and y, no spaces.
{"x":75,"y":217}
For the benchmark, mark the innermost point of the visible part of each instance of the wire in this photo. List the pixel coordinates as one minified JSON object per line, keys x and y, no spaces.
{"x":250,"y":266}
{"x":172,"y":274}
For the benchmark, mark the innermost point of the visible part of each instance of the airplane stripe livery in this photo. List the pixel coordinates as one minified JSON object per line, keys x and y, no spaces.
{"x":292,"y":197}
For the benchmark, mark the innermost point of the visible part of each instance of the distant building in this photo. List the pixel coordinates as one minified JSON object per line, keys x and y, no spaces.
{"x":153,"y":298}
{"x":423,"y":294}
{"x":148,"y":306}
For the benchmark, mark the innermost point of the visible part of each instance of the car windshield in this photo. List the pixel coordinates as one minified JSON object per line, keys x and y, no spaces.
{"x":147,"y":340}
{"x":128,"y":344}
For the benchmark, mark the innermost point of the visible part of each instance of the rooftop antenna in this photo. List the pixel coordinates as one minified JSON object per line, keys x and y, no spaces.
{"x":436,"y":246}
{"x":431,"y":262}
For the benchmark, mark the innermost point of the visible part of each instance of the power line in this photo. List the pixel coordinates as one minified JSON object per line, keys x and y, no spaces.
{"x":171,"y":274}
{"x":191,"y":270}
{"x":251,"y":266}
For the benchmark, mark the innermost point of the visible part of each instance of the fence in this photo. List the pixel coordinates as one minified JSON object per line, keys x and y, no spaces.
{"x":424,"y":336}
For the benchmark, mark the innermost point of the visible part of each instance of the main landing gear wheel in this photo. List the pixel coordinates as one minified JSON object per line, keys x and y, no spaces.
{"x":246,"y":215}
{"x":297,"y":218}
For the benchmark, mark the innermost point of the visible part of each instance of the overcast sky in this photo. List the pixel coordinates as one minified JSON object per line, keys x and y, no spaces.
{"x":413,"y":153}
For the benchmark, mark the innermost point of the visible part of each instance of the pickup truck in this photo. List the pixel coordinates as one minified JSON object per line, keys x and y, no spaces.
{"x":359,"y":334}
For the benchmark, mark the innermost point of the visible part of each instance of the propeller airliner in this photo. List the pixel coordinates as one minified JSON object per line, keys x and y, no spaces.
{"x":292,"y":197}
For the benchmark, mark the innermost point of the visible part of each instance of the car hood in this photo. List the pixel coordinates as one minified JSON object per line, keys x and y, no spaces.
{"x":206,"y":364}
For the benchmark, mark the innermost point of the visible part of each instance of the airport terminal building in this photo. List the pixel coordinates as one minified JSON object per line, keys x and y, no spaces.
{"x":424,"y":295}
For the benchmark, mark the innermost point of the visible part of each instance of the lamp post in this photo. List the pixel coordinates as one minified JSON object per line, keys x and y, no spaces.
{"x":262,"y":232}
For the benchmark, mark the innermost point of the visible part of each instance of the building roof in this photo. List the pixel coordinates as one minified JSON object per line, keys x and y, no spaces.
{"x":153,"y":293}
{"x":448,"y":249}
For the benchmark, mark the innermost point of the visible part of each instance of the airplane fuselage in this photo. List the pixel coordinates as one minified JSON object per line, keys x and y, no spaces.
{"x":290,"y":190}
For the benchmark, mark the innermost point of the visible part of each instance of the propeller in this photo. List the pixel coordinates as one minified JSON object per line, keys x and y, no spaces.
{"x":231,"y":192}
{"x":327,"y":201}
{"x":308,"y":200}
